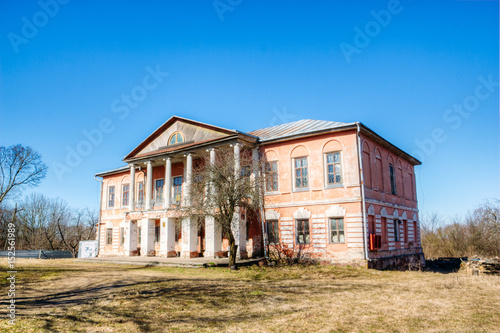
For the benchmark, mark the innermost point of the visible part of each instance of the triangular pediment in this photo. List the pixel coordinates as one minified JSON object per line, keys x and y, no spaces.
{"x":191,"y":131}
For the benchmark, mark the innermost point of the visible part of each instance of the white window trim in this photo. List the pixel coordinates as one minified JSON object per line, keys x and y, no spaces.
{"x":154,"y":188}
{"x":121,"y":195}
{"x":330,"y":230}
{"x":107,"y":198}
{"x":300,"y":189}
{"x":266,"y":192}
{"x":325,"y":170}
{"x":172,"y":189}
{"x":137,"y":189}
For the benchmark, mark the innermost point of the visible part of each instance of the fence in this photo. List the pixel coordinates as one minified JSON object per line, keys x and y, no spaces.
{"x":38,"y":254}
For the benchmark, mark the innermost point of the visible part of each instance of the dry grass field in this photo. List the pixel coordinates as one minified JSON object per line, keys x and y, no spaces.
{"x":66,"y":296}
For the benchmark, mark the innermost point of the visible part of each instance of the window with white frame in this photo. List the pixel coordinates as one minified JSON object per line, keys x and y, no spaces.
{"x":271,"y":169}
{"x":140,"y":192}
{"x":302,"y":231}
{"x":176,"y":138}
{"x":337,"y":233}
{"x":122,"y":236}
{"x":333,"y":166}
{"x":177,"y":183}
{"x":109,"y":236}
{"x":125,"y":194}
{"x":111,"y":196}
{"x":392,"y":175}
{"x":159,"y":189}
{"x":396,"y":230}
{"x":273,"y":233}
{"x":301,"y":174}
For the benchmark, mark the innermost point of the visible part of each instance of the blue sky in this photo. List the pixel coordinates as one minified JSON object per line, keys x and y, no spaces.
{"x":422,"y":74}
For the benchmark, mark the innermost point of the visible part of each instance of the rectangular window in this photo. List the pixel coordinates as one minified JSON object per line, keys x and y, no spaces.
{"x":157,"y":234}
{"x":140,"y":192}
{"x":138,"y":236}
{"x":271,"y":176}
{"x":159,"y":189}
{"x":333,"y":169}
{"x":111,"y":196}
{"x":383,"y":221}
{"x":248,"y":231}
{"x":405,"y":231}
{"x":177,"y":189}
{"x":125,"y":194}
{"x":302,"y":232}
{"x":245,"y":171}
{"x":273,"y":233}
{"x":301,"y":175}
{"x":392,"y":175}
{"x":396,"y":230}
{"x":178,"y":234}
{"x":415,"y":232}
{"x":109,"y":236}
{"x":337,"y":234}
{"x":122,"y":236}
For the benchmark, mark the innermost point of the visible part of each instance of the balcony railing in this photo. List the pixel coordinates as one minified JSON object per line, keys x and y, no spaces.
{"x":157,"y":202}
{"x":139,"y":205}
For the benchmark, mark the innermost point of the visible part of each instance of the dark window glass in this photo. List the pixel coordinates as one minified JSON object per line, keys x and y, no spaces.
{"x":109,"y":236}
{"x":301,"y":176}
{"x":273,"y":233}
{"x":337,"y":233}
{"x":333,"y":168}
{"x":302,"y":232}
{"x":111,"y":196}
{"x":271,"y":176}
{"x":392,"y":175}
{"x":125,"y":195}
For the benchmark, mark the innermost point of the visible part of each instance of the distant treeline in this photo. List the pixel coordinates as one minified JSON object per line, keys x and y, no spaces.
{"x":477,"y":234}
{"x":43,"y":223}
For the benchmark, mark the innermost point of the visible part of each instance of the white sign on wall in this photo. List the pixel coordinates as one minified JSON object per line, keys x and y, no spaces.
{"x":87,"y":249}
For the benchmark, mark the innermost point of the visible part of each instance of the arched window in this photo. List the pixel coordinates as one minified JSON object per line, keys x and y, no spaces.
{"x":175,"y":138}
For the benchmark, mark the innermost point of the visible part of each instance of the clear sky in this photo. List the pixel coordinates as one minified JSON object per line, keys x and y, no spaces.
{"x":422,"y":74}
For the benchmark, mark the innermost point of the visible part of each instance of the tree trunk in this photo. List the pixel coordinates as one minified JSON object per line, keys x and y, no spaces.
{"x":233,"y":248}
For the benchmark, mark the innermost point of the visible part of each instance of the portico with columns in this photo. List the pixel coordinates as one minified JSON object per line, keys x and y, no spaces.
{"x":164,"y":162}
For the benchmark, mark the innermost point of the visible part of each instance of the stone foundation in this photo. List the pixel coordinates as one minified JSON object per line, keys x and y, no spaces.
{"x":399,"y":262}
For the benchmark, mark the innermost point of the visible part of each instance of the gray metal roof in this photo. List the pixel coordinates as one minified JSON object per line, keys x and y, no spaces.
{"x":299,"y":127}
{"x":120,"y":169}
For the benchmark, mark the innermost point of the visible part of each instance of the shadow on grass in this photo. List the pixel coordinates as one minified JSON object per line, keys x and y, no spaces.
{"x":143,"y":302}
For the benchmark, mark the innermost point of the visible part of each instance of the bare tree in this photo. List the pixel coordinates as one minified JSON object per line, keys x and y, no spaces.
{"x":478,"y":234}
{"x":218,"y":190}
{"x":79,"y":226}
{"x":19,"y":167}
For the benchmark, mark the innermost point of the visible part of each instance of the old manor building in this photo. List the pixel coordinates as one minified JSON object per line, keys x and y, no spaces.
{"x":338,"y":190}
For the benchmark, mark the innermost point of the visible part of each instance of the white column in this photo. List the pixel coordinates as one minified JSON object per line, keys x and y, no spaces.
{"x":147,"y":237}
{"x":149,"y":184}
{"x":237,"y":163}
{"x":255,"y":164}
{"x":239,"y":226}
{"x":132,"y":189}
{"x":189,"y":227}
{"x":168,"y":183}
{"x":167,"y":237}
{"x":189,"y":238}
{"x":189,"y":175}
{"x":213,"y":239}
{"x":131,"y":238}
